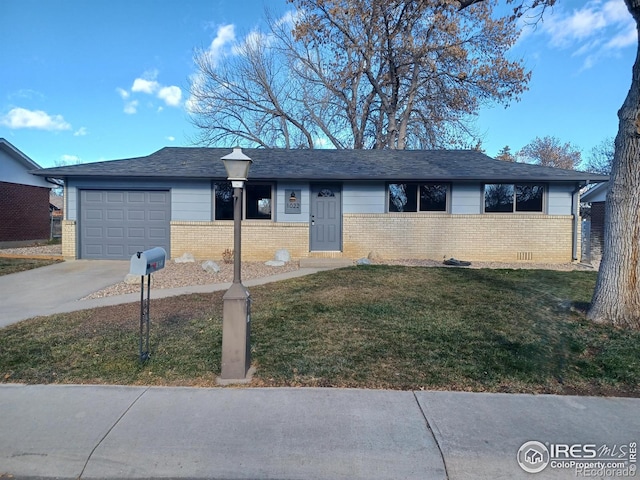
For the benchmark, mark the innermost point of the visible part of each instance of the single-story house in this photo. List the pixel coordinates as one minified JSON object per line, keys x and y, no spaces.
{"x":324,"y":203}
{"x":24,"y":199}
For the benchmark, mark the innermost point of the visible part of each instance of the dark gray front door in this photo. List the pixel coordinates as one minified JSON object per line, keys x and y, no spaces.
{"x":115,"y":224}
{"x":326,"y":218}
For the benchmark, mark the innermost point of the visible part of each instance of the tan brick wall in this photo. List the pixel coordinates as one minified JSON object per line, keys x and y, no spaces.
{"x":535,"y":238}
{"x":509,"y":238}
{"x":260,"y":240}
{"x":69,"y":238}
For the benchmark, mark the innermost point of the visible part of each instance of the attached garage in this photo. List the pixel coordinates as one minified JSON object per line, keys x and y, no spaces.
{"x":115,"y":224}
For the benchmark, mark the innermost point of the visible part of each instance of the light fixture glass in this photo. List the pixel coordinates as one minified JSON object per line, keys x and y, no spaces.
{"x":237,"y":165}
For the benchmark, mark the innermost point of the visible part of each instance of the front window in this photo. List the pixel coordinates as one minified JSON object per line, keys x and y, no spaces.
{"x":258,"y":197}
{"x":223,"y":200}
{"x":257,"y":201}
{"x":509,"y":198}
{"x":418,"y":197}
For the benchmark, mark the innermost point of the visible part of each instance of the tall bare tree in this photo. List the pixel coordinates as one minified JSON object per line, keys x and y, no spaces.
{"x":551,"y":152}
{"x":360,"y":74}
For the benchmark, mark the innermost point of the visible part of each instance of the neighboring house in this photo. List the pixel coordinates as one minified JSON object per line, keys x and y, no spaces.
{"x":24,"y":199}
{"x":324,"y":203}
{"x":596,"y":196}
{"x":56,"y":205}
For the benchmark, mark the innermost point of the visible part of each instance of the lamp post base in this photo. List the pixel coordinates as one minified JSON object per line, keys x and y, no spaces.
{"x":236,"y":333}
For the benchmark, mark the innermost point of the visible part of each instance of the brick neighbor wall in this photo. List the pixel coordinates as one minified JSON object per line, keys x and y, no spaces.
{"x":597,"y":229}
{"x":24,"y":212}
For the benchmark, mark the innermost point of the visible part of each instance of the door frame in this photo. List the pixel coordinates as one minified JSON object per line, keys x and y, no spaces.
{"x":314,"y":188}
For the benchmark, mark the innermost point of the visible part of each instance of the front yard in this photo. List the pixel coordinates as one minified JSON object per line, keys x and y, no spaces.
{"x":370,"y":327}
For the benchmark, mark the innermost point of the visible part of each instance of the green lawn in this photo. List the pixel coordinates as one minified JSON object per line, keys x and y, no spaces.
{"x":13,"y":265}
{"x":370,"y":327}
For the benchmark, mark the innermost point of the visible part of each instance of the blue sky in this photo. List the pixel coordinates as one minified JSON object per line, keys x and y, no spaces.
{"x":85,"y":81}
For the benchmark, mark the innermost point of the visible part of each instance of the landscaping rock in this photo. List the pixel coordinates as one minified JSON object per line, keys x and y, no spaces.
{"x":210,"y":266}
{"x":283,"y":255}
{"x":375,"y":256}
{"x":275,"y":263}
{"x":130,"y":279}
{"x":185,"y":258}
{"x":363,"y":261}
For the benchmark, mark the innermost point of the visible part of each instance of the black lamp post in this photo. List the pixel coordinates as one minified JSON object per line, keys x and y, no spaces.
{"x":236,"y":312}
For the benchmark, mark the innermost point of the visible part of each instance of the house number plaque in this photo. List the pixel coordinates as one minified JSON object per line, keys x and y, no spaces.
{"x":292,"y":201}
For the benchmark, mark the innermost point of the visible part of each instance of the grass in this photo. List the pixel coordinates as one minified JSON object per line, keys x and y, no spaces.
{"x":14,"y":265}
{"x":369,"y":327}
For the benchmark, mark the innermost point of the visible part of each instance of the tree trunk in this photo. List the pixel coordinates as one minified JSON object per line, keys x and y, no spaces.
{"x":616,"y":299}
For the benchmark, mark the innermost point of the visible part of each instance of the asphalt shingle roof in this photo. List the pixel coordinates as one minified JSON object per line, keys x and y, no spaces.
{"x":361,"y":165}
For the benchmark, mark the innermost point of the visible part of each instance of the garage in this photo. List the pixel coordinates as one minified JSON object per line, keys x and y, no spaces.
{"x":115,"y":224}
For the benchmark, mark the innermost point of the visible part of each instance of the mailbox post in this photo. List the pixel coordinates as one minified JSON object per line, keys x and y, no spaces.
{"x":144,"y":264}
{"x":236,"y":310}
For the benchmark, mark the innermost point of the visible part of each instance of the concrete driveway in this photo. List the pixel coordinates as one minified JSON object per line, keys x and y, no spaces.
{"x":55,"y":288}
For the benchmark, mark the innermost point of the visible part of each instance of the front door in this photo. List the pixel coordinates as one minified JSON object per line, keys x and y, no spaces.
{"x":326,"y":218}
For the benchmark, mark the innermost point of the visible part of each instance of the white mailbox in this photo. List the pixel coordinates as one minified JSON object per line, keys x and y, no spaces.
{"x":147,"y":262}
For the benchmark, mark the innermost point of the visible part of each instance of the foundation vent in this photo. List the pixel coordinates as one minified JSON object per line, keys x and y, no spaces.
{"x":525,"y":256}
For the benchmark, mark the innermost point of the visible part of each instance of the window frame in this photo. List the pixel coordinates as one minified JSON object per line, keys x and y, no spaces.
{"x":243,"y":200}
{"x":514,"y":209}
{"x":447,"y":208}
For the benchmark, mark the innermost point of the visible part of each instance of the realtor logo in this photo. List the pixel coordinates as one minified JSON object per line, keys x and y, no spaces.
{"x":533,"y":457}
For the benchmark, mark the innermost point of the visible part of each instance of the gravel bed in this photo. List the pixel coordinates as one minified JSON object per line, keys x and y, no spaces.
{"x":566,"y":267}
{"x":175,"y":275}
{"x":35,"y":250}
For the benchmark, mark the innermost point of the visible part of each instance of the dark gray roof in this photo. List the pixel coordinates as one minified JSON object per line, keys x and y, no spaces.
{"x":317,"y":164}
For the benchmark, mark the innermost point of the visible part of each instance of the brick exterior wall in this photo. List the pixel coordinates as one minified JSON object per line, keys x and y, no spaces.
{"x":24,"y":212}
{"x":508,"y":238}
{"x":597,"y":229}
{"x":260,"y":240}
{"x":68,"y":238}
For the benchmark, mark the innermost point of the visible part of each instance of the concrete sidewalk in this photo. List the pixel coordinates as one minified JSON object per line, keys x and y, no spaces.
{"x":109,"y":432}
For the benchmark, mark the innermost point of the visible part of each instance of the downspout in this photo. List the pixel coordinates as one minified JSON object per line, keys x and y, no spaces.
{"x":575,"y":212}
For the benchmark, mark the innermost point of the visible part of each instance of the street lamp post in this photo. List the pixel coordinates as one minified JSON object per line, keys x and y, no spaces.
{"x":236,"y":310}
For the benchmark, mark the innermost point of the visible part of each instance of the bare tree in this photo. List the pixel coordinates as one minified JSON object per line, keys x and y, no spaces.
{"x":360,"y":74}
{"x":551,"y":152}
{"x":601,"y":157}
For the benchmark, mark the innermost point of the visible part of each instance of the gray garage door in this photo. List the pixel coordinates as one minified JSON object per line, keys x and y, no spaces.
{"x":115,"y":224}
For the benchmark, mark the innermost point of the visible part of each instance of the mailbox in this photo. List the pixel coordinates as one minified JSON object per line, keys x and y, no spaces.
{"x":147,"y":262}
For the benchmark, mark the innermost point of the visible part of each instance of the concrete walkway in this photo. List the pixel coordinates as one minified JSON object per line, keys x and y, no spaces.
{"x":58,"y":288}
{"x":108,"y":432}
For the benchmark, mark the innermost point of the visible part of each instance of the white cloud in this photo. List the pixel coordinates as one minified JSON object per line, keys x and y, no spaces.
{"x":171,"y":95}
{"x":70,"y":158}
{"x":123,"y":93}
{"x":81,"y":132}
{"x":225,"y":37}
{"x":145,"y":86}
{"x":38,"y":119}
{"x":596,"y":30}
{"x":171,"y":138}
{"x":130,"y":108}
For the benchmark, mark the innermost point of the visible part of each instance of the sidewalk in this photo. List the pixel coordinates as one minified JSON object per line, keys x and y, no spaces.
{"x":113,"y":432}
